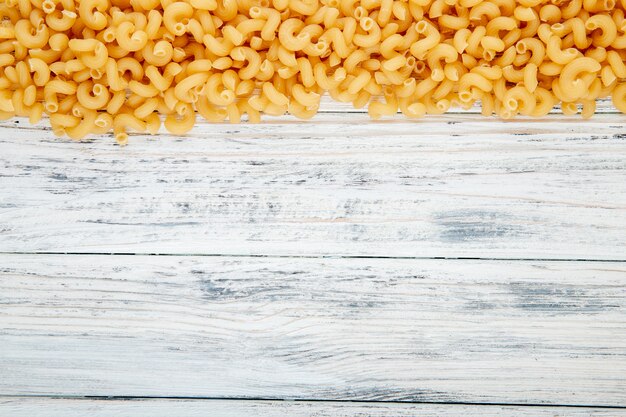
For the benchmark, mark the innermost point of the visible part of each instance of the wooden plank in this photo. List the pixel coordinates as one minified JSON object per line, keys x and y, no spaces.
{"x":60,"y":407}
{"x":450,"y":186}
{"x":325,"y":329}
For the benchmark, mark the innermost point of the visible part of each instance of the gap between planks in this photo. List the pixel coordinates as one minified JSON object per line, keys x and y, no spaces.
{"x":279,"y":256}
{"x":113,"y":398}
{"x":158,"y":407}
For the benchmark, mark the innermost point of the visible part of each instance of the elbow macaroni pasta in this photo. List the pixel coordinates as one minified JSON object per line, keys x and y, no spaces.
{"x":96,"y":66}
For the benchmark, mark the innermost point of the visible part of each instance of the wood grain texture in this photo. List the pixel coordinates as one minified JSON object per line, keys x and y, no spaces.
{"x":59,"y":407}
{"x":328,"y":329}
{"x":451,"y":186}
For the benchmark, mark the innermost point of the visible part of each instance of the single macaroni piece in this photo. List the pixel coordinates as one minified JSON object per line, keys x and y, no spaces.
{"x":96,"y":66}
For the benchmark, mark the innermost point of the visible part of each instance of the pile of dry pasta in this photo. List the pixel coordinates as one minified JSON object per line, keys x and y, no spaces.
{"x":99,"y":65}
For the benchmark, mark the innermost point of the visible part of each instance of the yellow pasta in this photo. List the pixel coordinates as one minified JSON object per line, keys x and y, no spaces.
{"x":97,"y":66}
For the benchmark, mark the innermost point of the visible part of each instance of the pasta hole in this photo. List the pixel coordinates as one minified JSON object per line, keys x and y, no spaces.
{"x":465,"y":96}
{"x":367,"y":23}
{"x":511,"y":104}
{"x":179,"y":28}
{"x":98,"y":89}
{"x":443,"y":105}
{"x":96,"y":74}
{"x":48,"y":6}
{"x":51,"y":107}
{"x":360,"y":13}
{"x":121,"y":138}
{"x":255,"y":12}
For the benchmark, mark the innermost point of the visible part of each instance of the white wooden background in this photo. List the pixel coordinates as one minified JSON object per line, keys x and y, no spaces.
{"x":340,"y":267}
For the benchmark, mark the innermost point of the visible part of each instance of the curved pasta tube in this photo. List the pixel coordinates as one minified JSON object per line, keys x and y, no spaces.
{"x":544,"y":100}
{"x":432,"y":37}
{"x":334,"y":36}
{"x":92,"y":96}
{"x":253,"y":59}
{"x":470,"y":81}
{"x":182,"y":122}
{"x":619,"y":97}
{"x":30,"y":36}
{"x":308,"y":99}
{"x":606,"y":26}
{"x":85,"y":126}
{"x":534,"y":46}
{"x":304,"y":7}
{"x":122,"y":122}
{"x":557,"y":55}
{"x":185,"y":88}
{"x":571,"y":79}
{"x":91,"y":52}
{"x":216,"y":91}
{"x":91,"y":13}
{"x":176,"y":17}
{"x":288,"y":38}
{"x":143,"y":90}
{"x":40,"y":70}
{"x":272,"y":20}
{"x":273,"y":95}
{"x":218,"y":46}
{"x":52,"y":89}
{"x":129,"y":38}
{"x":371,"y":37}
{"x":576,"y":26}
{"x":159,"y":53}
{"x":61,"y":20}
{"x":519,"y":99}
{"x":444,"y":52}
{"x":204,"y":4}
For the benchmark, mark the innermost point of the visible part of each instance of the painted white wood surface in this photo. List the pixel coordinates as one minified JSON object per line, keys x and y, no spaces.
{"x":325,"y":329}
{"x":59,"y":407}
{"x":451,"y":186}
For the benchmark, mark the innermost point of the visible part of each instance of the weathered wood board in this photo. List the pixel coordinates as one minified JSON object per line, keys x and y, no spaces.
{"x":450,"y":186}
{"x":322,"y":329}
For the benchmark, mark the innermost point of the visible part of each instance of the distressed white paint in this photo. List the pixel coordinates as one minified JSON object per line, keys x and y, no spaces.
{"x":368,"y":329}
{"x":453,"y":186}
{"x":375,"y":329}
{"x":58,"y":407}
